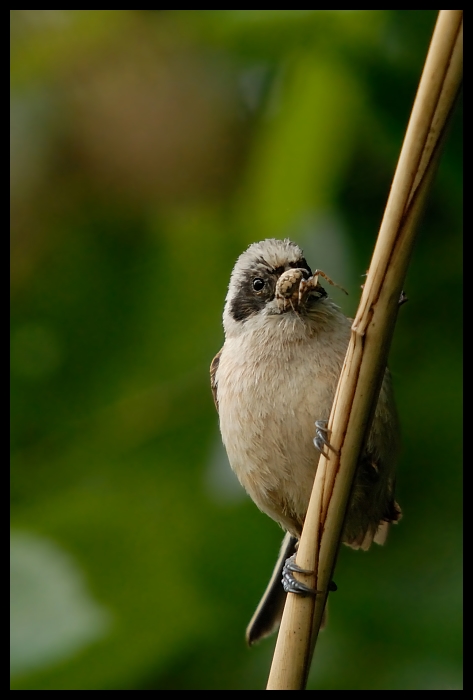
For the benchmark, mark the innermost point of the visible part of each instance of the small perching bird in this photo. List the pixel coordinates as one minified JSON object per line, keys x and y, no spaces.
{"x":273,"y":383}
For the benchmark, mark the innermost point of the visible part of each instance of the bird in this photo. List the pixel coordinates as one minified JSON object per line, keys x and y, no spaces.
{"x":273,"y":383}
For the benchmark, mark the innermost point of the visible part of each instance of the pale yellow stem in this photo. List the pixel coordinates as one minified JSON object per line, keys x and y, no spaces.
{"x":366,"y":357}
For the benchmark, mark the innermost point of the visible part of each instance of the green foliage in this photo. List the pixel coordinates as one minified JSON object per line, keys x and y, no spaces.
{"x":149,"y":148}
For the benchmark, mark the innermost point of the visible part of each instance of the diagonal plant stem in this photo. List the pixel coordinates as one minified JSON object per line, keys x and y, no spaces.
{"x":367,"y":352}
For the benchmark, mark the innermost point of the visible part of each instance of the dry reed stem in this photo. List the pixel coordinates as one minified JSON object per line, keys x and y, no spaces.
{"x":367,"y":352}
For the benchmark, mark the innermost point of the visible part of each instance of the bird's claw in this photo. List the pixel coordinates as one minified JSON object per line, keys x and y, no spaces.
{"x":321,"y":438}
{"x":402,"y":299}
{"x":291,"y":584}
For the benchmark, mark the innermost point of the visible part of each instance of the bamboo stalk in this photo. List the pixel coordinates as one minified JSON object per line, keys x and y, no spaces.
{"x":367,"y":352}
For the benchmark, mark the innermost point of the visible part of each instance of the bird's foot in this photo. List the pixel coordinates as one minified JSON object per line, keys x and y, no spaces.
{"x":402,"y":299}
{"x":292,"y":585}
{"x":321,"y":439}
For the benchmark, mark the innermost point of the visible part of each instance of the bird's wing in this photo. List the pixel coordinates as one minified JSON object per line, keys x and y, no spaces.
{"x":213,"y":380}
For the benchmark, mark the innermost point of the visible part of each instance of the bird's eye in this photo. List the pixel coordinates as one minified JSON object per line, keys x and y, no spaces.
{"x":258,"y":284}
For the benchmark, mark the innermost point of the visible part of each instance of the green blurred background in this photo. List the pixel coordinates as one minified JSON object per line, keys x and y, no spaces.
{"x":148,"y":149}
